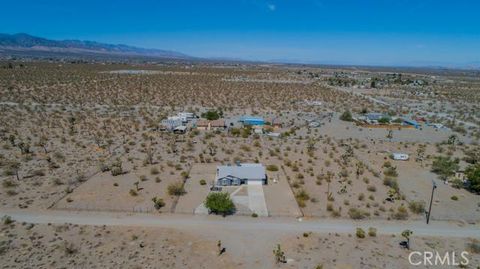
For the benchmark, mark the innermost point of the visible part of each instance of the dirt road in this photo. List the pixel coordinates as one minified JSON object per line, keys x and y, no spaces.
{"x":238,"y":223}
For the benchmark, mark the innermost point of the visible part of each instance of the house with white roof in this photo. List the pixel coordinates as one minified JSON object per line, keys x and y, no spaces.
{"x":241,"y":173}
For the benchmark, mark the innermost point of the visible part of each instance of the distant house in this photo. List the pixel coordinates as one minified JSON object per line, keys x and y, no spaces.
{"x":180,"y":129}
{"x":374,"y":116}
{"x":274,"y":122}
{"x":186,"y":116}
{"x":258,"y":129}
{"x":170,"y":123}
{"x":218,"y":124}
{"x":250,"y":121}
{"x":241,"y":173}
{"x":400,"y":156}
{"x":203,"y":125}
{"x":412,"y":123}
{"x":214,"y":125}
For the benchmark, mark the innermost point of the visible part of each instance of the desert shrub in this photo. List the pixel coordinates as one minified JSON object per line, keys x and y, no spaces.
{"x":371,"y":188}
{"x":254,"y":215}
{"x":220,"y":203}
{"x":356,"y":213}
{"x":401,"y":214}
{"x":417,"y":207}
{"x":391,"y":172}
{"x":474,"y":246}
{"x":116,"y":171}
{"x":69,"y":248}
{"x":391,"y":182}
{"x":444,"y":167}
{"x":158,"y":202}
{"x":154,"y":171}
{"x":360,"y":233}
{"x":176,"y":189}
{"x":302,"y":195}
{"x":272,"y":168}
{"x":473,"y":174}
{"x":39,"y":173}
{"x":7,"y":220}
{"x":454,"y":198}
{"x":372,"y":232}
{"x":8,"y":183}
{"x":346,"y":116}
{"x":203,"y":182}
{"x":361,"y":197}
{"x":133,"y":192}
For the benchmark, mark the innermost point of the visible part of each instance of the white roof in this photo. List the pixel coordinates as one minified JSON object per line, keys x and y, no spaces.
{"x":400,"y":156}
{"x":243,"y":171}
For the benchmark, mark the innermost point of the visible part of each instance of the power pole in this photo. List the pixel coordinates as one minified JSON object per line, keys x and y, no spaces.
{"x":431,"y":201}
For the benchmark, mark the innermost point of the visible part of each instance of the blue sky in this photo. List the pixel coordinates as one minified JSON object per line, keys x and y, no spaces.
{"x":401,"y":32}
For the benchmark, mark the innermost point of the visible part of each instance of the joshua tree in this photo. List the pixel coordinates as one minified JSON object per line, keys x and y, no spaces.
{"x":279,"y":254}
{"x":220,"y":248}
{"x":15,"y":167}
{"x":452,"y":140}
{"x":406,"y":234}
{"x":390,"y":135}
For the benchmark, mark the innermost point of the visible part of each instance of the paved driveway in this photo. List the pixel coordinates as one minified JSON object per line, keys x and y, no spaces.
{"x":256,"y":199}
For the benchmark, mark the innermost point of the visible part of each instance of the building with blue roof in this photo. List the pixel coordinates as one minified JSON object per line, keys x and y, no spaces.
{"x":247,"y":120}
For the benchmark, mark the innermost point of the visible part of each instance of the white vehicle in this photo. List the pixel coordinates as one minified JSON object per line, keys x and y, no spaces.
{"x":400,"y":156}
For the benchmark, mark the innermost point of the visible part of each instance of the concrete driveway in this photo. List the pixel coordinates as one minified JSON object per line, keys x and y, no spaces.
{"x":256,"y":199}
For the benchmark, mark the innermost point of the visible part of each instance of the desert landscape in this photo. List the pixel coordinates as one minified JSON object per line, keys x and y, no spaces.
{"x":336,"y":145}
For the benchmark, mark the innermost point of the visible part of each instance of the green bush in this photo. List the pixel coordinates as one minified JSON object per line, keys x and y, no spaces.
{"x":372,"y":232}
{"x":220,"y":203}
{"x":360,"y":233}
{"x":346,"y":116}
{"x":203,"y":182}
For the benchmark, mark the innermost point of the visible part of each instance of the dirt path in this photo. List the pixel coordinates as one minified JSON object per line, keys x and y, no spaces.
{"x":239,"y":223}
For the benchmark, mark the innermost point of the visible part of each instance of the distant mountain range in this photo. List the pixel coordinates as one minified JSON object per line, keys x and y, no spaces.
{"x":19,"y":44}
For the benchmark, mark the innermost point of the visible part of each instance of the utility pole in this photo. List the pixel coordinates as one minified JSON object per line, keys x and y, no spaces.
{"x":431,"y":201}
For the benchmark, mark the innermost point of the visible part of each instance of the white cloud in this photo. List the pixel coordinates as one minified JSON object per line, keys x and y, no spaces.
{"x":272,"y":7}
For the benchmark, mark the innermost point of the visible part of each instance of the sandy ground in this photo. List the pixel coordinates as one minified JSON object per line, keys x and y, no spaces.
{"x":74,"y":246}
{"x":112,"y":193}
{"x":196,"y":193}
{"x":181,"y":240}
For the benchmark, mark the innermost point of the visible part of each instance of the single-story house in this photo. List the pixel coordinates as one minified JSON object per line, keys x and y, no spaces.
{"x":241,"y":173}
{"x":252,"y":120}
{"x":274,"y":122}
{"x":218,"y":124}
{"x":206,"y":125}
{"x":170,"y":123}
{"x":400,"y":156}
{"x":202,"y":125}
